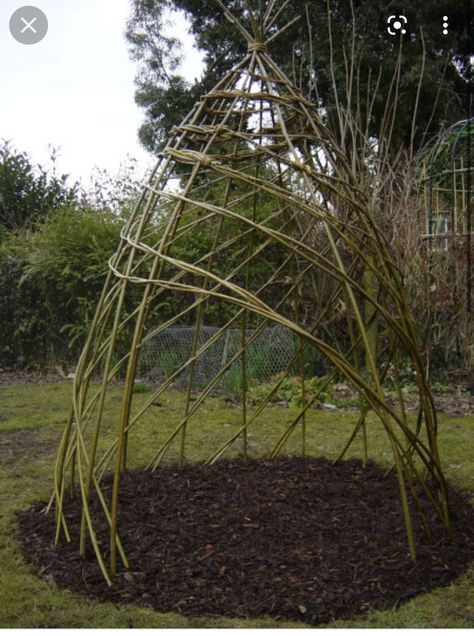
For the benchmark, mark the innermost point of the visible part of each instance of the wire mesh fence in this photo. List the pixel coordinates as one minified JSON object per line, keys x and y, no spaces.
{"x":269,"y":354}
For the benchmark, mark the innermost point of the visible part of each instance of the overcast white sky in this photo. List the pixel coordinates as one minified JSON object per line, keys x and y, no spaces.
{"x":74,"y":89}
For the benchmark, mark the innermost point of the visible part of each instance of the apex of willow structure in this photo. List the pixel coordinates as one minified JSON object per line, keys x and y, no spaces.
{"x":283,"y":236}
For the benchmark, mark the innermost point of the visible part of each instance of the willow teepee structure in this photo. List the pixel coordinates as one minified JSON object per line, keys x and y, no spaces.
{"x":292,"y":243}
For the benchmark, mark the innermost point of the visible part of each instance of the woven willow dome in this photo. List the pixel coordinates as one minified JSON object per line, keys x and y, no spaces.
{"x":292,"y":244}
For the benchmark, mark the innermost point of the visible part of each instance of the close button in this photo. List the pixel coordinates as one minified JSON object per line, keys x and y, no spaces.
{"x":28,"y":25}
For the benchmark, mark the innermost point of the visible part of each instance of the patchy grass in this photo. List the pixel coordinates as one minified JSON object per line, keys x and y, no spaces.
{"x":31,"y":423}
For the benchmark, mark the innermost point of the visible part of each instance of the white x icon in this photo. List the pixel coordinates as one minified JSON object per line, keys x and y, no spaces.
{"x":28,"y":25}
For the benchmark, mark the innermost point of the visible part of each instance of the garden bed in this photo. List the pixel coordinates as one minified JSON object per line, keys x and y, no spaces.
{"x":294,"y":539}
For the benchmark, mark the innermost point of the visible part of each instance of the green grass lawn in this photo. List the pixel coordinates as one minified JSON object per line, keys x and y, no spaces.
{"x":31,"y":422}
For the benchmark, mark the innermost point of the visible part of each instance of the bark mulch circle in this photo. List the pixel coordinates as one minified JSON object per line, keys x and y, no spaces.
{"x":293,"y":539}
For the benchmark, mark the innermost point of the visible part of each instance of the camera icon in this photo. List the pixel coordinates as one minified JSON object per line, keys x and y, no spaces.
{"x":396,"y":23}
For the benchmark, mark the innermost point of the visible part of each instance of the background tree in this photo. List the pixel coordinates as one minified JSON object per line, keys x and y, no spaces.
{"x":28,"y":192}
{"x":55,"y":242}
{"x":442,"y":96}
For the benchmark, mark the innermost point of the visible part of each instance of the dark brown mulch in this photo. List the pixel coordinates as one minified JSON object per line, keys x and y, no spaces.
{"x":294,"y":539}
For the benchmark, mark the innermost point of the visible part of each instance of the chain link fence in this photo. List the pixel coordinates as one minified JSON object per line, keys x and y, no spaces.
{"x":163,"y":354}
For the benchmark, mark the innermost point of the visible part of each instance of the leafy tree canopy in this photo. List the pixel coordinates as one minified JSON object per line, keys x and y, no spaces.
{"x":27,"y":192}
{"x":166,"y":97}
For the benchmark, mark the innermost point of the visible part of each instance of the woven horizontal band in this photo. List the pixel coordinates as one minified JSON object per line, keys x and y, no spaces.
{"x":257,"y":46}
